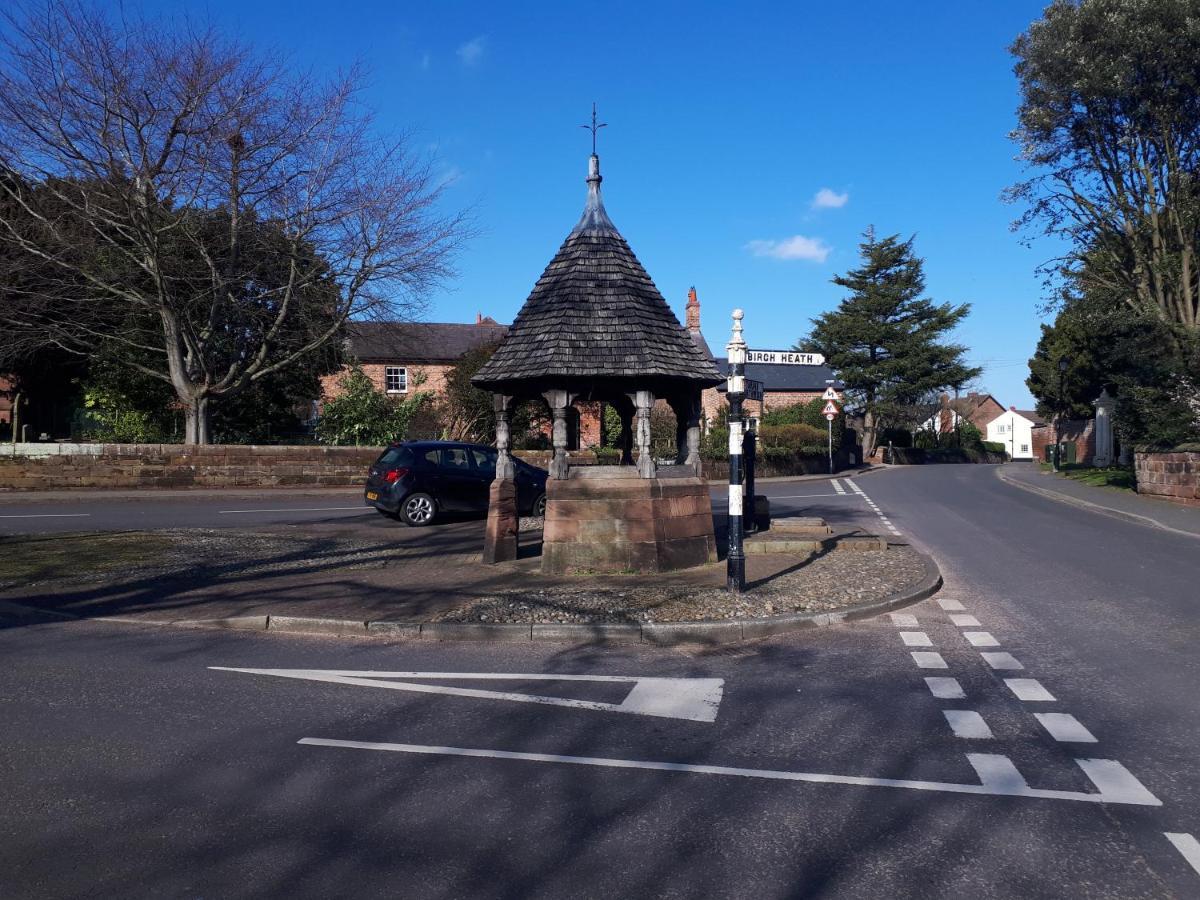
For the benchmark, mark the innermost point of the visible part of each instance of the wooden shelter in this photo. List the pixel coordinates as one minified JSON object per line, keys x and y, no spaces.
{"x":596,"y":328}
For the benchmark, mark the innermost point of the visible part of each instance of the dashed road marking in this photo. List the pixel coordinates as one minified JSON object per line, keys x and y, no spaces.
{"x":1029,"y":689}
{"x":1065,"y":728}
{"x":1187,"y":845}
{"x":965,"y":621}
{"x":966,"y":723}
{"x":929,"y":660}
{"x":950,"y":604}
{"x":915,"y":639}
{"x":997,"y":774}
{"x":981,"y":639}
{"x":874,"y":506}
{"x":903,"y":620}
{"x":48,"y":516}
{"x":1002,"y":661}
{"x":837,"y":486}
{"x":945,"y":688}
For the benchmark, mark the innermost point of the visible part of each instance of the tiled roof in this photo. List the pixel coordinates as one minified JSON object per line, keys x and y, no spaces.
{"x":788,"y":378}
{"x":595,"y":314}
{"x":418,"y":341}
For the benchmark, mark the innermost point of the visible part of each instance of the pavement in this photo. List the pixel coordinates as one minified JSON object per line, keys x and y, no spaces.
{"x":1029,"y":732}
{"x":1116,"y":502}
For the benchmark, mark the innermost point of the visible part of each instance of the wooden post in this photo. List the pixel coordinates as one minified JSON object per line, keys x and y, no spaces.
{"x":644,"y":401}
{"x":503,"y":523}
{"x":559,"y":401}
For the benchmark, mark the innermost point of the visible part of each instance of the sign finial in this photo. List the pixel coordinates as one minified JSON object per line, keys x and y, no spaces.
{"x":594,"y":127}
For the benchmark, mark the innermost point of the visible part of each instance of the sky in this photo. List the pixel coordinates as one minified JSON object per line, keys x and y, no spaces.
{"x":748,"y":145}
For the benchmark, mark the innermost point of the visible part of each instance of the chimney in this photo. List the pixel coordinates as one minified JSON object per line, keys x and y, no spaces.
{"x":1013,"y":408}
{"x":693,"y":311}
{"x":478,"y":318}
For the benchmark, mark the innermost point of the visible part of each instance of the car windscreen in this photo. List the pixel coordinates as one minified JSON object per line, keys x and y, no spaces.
{"x":395,"y":456}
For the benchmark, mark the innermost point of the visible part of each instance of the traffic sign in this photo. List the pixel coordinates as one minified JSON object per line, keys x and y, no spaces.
{"x":829,"y":417}
{"x":830,"y":394}
{"x":830,"y":409}
{"x":754,"y":389}
{"x":784,"y":358}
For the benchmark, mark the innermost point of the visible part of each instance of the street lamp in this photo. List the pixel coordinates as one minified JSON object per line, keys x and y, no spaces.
{"x":1062,"y":405}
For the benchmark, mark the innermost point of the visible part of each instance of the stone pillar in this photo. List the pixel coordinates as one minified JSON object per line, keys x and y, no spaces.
{"x":687,"y":433}
{"x":500,"y":535}
{"x":1103,"y":430}
{"x":643,"y":401}
{"x":559,"y":401}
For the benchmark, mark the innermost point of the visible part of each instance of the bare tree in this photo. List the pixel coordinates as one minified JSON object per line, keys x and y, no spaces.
{"x":202,"y":211}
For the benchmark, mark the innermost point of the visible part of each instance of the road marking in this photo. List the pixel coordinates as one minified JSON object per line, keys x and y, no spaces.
{"x":945,"y":688}
{"x":693,"y":699}
{"x":903,"y":620}
{"x":915,"y":639}
{"x":799,"y":496}
{"x":1065,"y":727}
{"x":966,"y":723}
{"x":998,"y":775}
{"x":928,"y":660}
{"x":1116,"y":782}
{"x":950,"y":605}
{"x":837,"y":486}
{"x":234,"y":512}
{"x":981,"y":639}
{"x":48,"y":516}
{"x":1029,"y":689}
{"x":1002,"y":661}
{"x":965,"y":621}
{"x":1187,"y":845}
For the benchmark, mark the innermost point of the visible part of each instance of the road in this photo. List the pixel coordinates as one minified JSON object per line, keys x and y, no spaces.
{"x":899,"y":757}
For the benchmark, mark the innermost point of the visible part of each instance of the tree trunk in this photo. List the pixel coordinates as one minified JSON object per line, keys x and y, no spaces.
{"x":868,"y":435}
{"x":197,"y":429}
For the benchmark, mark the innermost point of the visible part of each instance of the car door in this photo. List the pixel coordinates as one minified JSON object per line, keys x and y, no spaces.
{"x":484,"y":459}
{"x":456,"y":478}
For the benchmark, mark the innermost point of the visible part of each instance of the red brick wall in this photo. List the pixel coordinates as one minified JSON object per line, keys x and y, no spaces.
{"x":1080,"y":432}
{"x":1169,"y":476}
{"x":434,"y":373}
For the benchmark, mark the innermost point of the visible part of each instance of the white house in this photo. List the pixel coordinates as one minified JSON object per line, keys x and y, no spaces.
{"x":1014,"y":429}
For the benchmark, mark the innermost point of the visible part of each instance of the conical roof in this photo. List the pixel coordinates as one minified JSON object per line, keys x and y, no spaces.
{"x":595,"y":315}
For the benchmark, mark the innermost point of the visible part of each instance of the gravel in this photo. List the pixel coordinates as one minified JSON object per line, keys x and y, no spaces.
{"x":819,"y":583}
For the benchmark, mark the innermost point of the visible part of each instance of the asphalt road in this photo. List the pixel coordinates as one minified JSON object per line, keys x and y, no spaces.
{"x":821,"y":764}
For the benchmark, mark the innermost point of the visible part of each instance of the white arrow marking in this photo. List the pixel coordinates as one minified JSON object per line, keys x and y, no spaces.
{"x":998,"y":776}
{"x":693,"y":699}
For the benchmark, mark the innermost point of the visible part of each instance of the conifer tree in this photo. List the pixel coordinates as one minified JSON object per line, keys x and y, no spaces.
{"x":886,"y":342}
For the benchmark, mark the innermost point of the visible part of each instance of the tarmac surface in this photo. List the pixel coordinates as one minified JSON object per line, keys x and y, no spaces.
{"x":1028,"y":732}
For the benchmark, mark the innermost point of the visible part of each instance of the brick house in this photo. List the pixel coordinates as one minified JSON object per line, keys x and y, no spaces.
{"x":1077,"y":436}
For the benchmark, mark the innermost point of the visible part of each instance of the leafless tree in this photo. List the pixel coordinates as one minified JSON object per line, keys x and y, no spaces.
{"x":206,"y":213}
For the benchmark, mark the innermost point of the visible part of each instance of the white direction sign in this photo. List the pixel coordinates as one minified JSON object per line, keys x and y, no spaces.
{"x":784,"y":358}
{"x":692,"y":699}
{"x":831,"y":394}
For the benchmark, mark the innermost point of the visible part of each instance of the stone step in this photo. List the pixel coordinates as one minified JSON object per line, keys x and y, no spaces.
{"x":801,"y":525}
{"x":768,"y":543}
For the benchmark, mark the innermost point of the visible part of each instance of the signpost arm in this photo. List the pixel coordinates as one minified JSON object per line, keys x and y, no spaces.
{"x":735,"y":561}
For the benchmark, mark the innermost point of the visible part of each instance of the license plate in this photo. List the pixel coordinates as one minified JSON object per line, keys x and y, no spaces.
{"x":371,"y":495}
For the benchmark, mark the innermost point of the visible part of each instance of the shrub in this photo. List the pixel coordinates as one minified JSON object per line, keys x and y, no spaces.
{"x":364,"y":415}
{"x":995,"y":447}
{"x":607,"y":456}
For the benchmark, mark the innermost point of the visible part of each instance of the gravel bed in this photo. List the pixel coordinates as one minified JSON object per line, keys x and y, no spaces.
{"x":833,"y":581}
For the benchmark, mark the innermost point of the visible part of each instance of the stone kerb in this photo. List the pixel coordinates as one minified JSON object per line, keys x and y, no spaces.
{"x":1169,"y":475}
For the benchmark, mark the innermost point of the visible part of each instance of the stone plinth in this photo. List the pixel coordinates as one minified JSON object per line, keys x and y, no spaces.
{"x":606,"y":519}
{"x":500,"y":535}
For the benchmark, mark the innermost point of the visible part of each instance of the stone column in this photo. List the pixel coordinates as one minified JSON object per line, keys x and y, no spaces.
{"x":643,"y":401}
{"x":559,"y":401}
{"x":500,"y":535}
{"x":1104,"y":431}
{"x":687,"y":432}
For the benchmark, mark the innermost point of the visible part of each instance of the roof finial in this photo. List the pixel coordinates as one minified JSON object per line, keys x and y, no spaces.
{"x":594,"y":127}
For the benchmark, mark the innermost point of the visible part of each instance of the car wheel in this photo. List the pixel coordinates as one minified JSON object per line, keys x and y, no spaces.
{"x":418,"y":509}
{"x":539,"y":507}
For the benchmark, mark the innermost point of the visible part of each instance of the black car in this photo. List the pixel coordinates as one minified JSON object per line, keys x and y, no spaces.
{"x":416,"y":480}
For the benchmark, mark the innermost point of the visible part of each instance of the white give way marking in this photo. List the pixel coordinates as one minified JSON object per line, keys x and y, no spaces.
{"x":693,"y":699}
{"x":998,"y":777}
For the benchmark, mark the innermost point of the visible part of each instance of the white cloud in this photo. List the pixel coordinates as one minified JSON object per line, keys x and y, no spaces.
{"x":471,"y":52}
{"x":829,"y":199}
{"x":425,"y":62}
{"x":796,"y":247}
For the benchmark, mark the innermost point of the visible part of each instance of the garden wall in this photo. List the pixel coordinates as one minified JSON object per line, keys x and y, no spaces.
{"x":915,"y":456}
{"x":1173,"y":475}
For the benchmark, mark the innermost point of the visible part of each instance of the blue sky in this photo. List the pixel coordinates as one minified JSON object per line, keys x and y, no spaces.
{"x":748,"y":147}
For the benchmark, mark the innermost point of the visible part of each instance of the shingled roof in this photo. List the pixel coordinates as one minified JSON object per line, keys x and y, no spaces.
{"x":427,"y":342}
{"x":596,"y":315}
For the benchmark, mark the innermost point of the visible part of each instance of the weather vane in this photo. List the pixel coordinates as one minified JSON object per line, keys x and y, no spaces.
{"x":594,"y":127}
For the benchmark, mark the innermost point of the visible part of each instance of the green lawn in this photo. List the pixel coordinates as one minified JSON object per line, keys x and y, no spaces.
{"x":1114,"y":477}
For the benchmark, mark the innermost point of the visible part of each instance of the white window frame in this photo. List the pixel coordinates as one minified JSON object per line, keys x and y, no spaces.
{"x":400,"y":373}
{"x":1024,"y":448}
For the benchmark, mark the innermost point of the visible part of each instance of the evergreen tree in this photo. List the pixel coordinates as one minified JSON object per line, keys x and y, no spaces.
{"x":886,"y":341}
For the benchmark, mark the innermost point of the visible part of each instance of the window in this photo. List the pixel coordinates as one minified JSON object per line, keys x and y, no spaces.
{"x":395,"y":379}
{"x":1002,"y":428}
{"x":454,"y":459}
{"x":1024,"y":448}
{"x":485,"y":462}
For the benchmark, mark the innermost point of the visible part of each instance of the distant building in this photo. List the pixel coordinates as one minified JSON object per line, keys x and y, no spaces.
{"x":1014,"y":429}
{"x":975,"y":408}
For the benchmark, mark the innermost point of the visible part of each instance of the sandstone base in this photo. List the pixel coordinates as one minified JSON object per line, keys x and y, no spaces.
{"x":500,"y":536}
{"x":608,"y":520}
